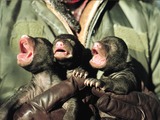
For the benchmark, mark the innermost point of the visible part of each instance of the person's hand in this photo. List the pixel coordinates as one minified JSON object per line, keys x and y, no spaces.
{"x":42,"y":104}
{"x":134,"y":106}
{"x":26,"y":112}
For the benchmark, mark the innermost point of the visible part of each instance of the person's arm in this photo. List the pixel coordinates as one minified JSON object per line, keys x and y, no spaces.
{"x":39,"y":107}
{"x":154,"y":49}
{"x":134,"y":106}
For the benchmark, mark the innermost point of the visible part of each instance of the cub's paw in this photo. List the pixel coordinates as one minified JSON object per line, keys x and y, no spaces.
{"x":92,"y":82}
{"x":79,"y":72}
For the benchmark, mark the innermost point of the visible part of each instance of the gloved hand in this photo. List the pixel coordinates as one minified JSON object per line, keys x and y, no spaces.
{"x":42,"y":104}
{"x":134,"y":106}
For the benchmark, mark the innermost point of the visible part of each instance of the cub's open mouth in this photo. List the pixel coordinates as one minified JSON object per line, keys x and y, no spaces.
{"x":99,"y":59}
{"x":94,"y":51}
{"x":61,"y":53}
{"x":60,"y":50}
{"x":71,"y":1}
{"x":26,"y":45}
{"x":25,"y":49}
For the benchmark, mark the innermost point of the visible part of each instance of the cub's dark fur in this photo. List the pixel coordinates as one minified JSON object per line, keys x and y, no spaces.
{"x":73,"y":56}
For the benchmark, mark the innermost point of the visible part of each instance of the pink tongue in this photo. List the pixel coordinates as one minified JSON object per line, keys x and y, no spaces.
{"x":21,"y":55}
{"x":96,"y":59}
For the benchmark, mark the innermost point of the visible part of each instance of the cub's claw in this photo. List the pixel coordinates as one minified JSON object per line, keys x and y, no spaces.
{"x":79,"y":72}
{"x":92,"y":82}
{"x":98,"y":84}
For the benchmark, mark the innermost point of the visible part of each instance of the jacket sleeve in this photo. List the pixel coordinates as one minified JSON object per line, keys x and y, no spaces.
{"x":43,"y":103}
{"x":154,"y":49}
{"x":134,"y":106}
